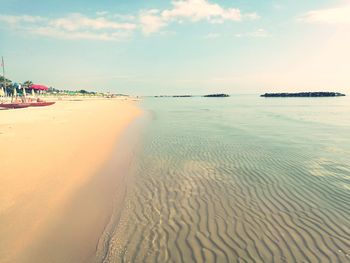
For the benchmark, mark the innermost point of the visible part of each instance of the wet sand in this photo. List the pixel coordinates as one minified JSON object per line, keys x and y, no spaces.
{"x":58,"y":179}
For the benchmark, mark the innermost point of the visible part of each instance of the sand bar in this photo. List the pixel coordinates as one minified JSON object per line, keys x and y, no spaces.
{"x":52,"y":191}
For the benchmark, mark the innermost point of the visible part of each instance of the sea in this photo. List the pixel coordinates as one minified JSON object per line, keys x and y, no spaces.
{"x":238,"y":179}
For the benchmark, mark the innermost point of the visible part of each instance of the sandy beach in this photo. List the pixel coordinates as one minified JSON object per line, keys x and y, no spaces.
{"x":56,"y":182}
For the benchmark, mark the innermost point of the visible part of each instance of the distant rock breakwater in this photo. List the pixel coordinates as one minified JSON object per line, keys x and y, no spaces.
{"x":304,"y":94}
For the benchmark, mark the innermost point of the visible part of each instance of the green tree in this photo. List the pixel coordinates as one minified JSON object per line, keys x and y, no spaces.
{"x":27,"y":83}
{"x":8,"y":82}
{"x":83,"y":91}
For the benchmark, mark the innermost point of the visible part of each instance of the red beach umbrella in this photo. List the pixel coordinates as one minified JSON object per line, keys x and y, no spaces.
{"x":38,"y":87}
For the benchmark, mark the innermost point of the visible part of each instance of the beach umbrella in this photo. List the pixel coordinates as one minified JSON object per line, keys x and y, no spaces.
{"x":24,"y":91}
{"x":14,"y":93}
{"x":38,"y":87}
{"x":15,"y":86}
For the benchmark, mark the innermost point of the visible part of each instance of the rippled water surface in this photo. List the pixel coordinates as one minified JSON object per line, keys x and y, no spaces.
{"x":240,"y":179}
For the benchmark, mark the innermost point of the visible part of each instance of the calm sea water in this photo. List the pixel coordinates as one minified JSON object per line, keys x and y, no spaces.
{"x":239,"y":179}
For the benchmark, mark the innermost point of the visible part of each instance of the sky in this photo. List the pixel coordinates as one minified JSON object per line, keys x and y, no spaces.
{"x":155,"y":47}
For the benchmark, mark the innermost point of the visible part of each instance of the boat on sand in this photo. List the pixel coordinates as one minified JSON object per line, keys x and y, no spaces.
{"x":41,"y":103}
{"x":14,"y":105}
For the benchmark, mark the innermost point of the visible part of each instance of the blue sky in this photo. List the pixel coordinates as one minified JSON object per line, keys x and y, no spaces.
{"x":180,"y":46}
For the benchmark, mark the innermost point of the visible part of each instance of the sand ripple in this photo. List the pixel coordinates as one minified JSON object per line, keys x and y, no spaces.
{"x":199,"y":199}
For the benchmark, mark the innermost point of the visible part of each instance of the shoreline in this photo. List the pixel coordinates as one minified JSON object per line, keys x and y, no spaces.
{"x":58,"y":205}
{"x":131,"y":142}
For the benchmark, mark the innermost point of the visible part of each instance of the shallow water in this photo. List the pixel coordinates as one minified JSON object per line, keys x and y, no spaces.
{"x":240,"y":179}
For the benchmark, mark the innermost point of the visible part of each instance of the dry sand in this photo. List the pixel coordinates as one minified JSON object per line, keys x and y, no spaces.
{"x":57,"y":189}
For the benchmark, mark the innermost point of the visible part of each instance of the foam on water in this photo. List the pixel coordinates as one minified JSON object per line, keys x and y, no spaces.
{"x":240,"y":179}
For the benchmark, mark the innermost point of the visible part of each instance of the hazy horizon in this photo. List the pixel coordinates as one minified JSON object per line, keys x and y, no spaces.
{"x":178,"y":47}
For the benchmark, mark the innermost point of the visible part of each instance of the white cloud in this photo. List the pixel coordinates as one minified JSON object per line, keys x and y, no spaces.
{"x":211,"y":36}
{"x":193,"y":11}
{"x":87,"y":35}
{"x":73,"y":26}
{"x":106,"y":26}
{"x":196,"y":10}
{"x":77,"y":21}
{"x":333,"y":15}
{"x":257,"y":33}
{"x":150,"y":21}
{"x":15,"y":20}
{"x":101,"y":13}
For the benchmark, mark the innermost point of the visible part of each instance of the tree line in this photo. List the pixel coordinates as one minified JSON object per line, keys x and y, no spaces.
{"x":10,"y":86}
